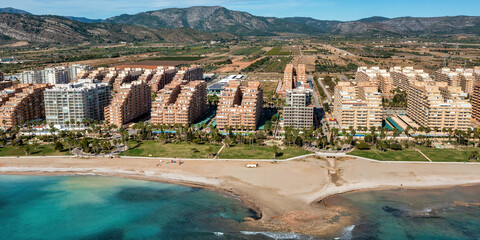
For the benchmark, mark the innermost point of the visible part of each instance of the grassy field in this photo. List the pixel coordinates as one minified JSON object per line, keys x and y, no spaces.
{"x":277,"y":64}
{"x":436,"y":155}
{"x":276,"y":51}
{"x":42,"y":150}
{"x":177,"y":58}
{"x":259,"y":152}
{"x":447,"y":155}
{"x":248,"y":51}
{"x":180,"y":150}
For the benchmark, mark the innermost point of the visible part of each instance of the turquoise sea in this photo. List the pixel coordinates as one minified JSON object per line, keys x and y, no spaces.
{"x":96,"y":207}
{"x":450,"y":213}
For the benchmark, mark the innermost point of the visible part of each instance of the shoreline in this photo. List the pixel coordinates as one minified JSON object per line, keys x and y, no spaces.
{"x":286,"y":196}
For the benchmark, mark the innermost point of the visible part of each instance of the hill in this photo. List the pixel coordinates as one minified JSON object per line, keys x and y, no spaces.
{"x":61,"y":30}
{"x":402,"y":26}
{"x":213,"y":19}
{"x":13,"y":10}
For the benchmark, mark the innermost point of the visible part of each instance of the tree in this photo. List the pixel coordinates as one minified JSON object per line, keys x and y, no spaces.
{"x":396,"y":146}
{"x":474,"y":155}
{"x":362,"y":145}
{"x":58,"y":146}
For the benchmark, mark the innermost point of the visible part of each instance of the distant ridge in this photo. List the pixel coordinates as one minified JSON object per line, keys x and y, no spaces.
{"x":373,"y":19}
{"x":13,"y":10}
{"x":84,"y":20}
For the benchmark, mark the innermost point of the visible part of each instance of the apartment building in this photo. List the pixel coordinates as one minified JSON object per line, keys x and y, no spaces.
{"x":30,"y":77}
{"x":131,"y":101}
{"x":5,"y":84}
{"x":126,"y":76}
{"x":299,"y":110}
{"x":55,"y":75}
{"x":76,"y":70}
{"x":180,"y":102}
{"x":240,"y":105}
{"x":465,"y":78}
{"x":162,"y":77}
{"x":476,"y":102}
{"x":404,"y":76}
{"x":85,"y":99}
{"x":438,"y":105}
{"x":357,"y":105}
{"x":377,"y":77}
{"x":452,"y":78}
{"x":291,"y":76}
{"x":24,"y":104}
{"x":192,"y":73}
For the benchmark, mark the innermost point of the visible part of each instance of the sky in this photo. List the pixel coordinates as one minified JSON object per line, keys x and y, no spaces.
{"x":344,"y":10}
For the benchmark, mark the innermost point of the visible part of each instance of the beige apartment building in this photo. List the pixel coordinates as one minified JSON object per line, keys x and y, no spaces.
{"x":357,"y":105}
{"x":292,"y":76}
{"x":240,"y":105}
{"x":162,"y":77}
{"x":180,"y":102}
{"x":403,"y":77}
{"x":465,"y":78}
{"x":22,"y":103}
{"x":476,"y":102}
{"x":377,"y":77}
{"x":126,"y":76}
{"x":131,"y":101}
{"x":438,"y":105}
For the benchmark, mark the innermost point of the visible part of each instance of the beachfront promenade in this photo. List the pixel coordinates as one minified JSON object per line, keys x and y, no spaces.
{"x":320,"y":154}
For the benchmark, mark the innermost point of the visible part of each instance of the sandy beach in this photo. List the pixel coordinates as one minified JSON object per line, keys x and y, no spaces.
{"x":287,"y":194}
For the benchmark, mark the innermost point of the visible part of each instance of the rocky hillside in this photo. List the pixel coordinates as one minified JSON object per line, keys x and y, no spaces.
{"x":54,"y":29}
{"x":243,"y":23}
{"x":217,"y":19}
{"x":403,"y":26}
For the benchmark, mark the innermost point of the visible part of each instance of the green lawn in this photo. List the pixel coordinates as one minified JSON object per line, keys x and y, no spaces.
{"x":259,"y":152}
{"x":390,"y":155}
{"x":42,"y":150}
{"x":180,"y":150}
{"x":447,"y":155}
{"x":436,"y":155}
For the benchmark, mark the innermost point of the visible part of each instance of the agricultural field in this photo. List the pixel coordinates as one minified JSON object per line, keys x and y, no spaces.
{"x":255,"y":51}
{"x":277,"y":51}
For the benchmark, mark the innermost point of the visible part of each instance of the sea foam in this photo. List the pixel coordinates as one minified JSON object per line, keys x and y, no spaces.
{"x":276,"y":235}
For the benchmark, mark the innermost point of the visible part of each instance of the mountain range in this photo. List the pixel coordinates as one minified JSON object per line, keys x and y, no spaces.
{"x":205,"y":23}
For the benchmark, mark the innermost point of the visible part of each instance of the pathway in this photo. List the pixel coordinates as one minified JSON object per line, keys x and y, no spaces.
{"x":423,"y":155}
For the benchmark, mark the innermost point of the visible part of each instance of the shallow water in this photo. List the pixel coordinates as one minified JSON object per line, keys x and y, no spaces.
{"x":94,"y":207}
{"x":452,"y":213}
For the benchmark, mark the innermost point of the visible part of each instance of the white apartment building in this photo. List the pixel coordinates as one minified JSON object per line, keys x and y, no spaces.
{"x":85,"y":99}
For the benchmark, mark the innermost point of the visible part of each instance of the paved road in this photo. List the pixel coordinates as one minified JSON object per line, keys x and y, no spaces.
{"x":341,"y":51}
{"x":343,"y":77}
{"x":315,"y":96}
{"x":325,"y":90}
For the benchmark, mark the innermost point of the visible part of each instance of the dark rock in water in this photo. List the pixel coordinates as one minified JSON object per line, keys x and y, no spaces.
{"x":110,"y":234}
{"x":138,"y":194}
{"x":394,"y":211}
